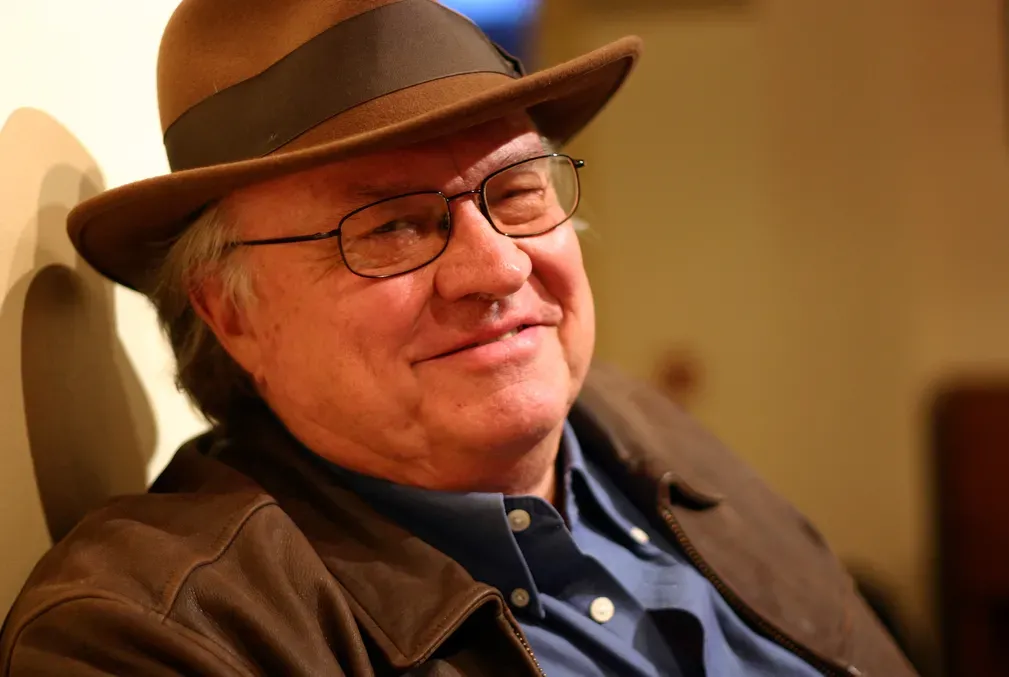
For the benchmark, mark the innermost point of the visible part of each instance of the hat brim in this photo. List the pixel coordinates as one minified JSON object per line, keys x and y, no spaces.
{"x":124,"y":232}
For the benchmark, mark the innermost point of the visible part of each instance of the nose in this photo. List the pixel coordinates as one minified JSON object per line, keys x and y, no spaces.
{"x":479,"y":261}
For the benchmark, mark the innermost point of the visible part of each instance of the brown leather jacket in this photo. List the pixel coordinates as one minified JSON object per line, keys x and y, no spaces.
{"x":245,"y":560}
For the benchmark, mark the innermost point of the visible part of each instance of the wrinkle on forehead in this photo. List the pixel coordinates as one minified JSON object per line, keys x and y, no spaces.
{"x":450,"y":164}
{"x":481,"y":150}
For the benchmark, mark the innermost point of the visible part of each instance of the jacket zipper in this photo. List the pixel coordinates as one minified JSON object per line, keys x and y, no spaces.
{"x":823,"y":666}
{"x":529,"y":650}
{"x":473,"y":605}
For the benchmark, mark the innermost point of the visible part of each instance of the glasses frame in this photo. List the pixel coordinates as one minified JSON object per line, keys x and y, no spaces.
{"x":480,"y":192}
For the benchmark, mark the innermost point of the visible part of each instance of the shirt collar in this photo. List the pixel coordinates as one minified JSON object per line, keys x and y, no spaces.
{"x":472,"y":527}
{"x":589,"y":498}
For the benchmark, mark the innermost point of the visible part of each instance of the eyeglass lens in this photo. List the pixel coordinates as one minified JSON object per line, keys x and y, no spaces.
{"x":403,"y":233}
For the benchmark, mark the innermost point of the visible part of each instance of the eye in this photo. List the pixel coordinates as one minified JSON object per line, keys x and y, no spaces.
{"x":517,"y":185}
{"x":396,"y":226}
{"x":521,"y":192}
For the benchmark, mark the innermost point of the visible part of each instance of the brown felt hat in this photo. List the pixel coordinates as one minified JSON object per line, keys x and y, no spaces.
{"x":253,"y":89}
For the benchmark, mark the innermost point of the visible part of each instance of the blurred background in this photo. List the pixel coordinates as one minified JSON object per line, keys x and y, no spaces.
{"x":798,"y":226}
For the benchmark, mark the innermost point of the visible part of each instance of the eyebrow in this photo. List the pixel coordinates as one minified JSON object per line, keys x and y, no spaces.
{"x":376,"y":191}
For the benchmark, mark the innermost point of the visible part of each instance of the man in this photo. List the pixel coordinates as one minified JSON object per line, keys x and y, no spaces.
{"x":365,"y":262}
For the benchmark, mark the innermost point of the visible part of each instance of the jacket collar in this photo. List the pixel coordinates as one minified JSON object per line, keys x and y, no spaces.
{"x":654,"y":449}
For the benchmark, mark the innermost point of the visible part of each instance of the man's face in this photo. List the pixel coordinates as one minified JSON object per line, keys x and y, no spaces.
{"x":355,"y":365}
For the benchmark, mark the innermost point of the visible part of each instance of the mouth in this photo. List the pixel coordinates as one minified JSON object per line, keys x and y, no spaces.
{"x":503,"y":337}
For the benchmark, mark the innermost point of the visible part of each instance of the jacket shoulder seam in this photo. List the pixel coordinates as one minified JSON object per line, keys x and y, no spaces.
{"x":224,"y":542}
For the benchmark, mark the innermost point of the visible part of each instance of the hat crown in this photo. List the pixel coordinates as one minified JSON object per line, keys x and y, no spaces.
{"x":210,"y":45}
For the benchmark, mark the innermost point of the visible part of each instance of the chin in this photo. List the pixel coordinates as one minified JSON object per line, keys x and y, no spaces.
{"x":520,"y":414}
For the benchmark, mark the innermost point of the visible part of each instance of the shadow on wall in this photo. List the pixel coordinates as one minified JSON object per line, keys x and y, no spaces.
{"x":69,"y":399}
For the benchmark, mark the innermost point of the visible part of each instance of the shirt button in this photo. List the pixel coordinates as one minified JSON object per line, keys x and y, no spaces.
{"x":520,"y":598}
{"x":601,"y":609}
{"x":519,"y":520}
{"x":639,"y":535}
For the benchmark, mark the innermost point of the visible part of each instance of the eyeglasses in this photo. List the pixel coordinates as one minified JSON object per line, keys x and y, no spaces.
{"x":400,"y":234}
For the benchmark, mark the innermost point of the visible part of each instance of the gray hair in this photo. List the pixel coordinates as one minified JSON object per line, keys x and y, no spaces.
{"x":205,"y":371}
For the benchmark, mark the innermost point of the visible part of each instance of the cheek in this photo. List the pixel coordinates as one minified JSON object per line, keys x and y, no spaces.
{"x":559,"y":270}
{"x":559,"y":273}
{"x":328,"y":329}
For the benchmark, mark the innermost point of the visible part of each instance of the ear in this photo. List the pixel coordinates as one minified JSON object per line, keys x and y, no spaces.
{"x":230,"y":323}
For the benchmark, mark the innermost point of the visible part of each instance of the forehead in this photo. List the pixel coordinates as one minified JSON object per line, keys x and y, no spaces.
{"x":448,"y":163}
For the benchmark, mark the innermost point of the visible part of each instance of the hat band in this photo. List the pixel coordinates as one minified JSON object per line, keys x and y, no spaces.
{"x":370,"y":55}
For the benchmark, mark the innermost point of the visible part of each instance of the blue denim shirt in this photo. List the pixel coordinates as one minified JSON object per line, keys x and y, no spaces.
{"x":600,"y":593}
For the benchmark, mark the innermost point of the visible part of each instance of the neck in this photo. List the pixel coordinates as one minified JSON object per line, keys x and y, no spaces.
{"x":527,"y":468}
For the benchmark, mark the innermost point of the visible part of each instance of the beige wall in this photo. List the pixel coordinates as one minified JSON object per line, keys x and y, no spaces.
{"x":84,"y":374}
{"x":814,"y":198}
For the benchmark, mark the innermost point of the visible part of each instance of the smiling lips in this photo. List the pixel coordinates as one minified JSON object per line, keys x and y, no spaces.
{"x":507,"y":335}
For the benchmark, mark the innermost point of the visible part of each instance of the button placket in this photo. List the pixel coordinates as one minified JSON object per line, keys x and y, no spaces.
{"x":602,"y":610}
{"x":520,"y":598}
{"x":519,"y":520}
{"x":639,"y":535}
